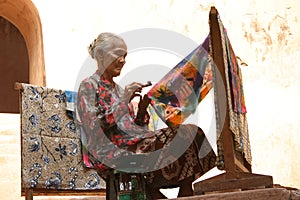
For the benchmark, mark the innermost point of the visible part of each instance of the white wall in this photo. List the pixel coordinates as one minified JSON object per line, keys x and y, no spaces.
{"x":265,"y":34}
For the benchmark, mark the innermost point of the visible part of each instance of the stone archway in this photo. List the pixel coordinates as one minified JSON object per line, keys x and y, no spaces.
{"x":23,"y":15}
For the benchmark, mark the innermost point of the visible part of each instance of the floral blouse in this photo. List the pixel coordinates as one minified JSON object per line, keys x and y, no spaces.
{"x":107,"y":123}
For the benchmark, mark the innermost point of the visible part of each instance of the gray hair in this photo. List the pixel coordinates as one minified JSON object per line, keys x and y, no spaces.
{"x":102,"y":43}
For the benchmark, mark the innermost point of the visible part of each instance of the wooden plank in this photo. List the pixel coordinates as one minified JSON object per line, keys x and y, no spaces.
{"x":54,"y":192}
{"x":29,"y":194}
{"x":245,"y":181}
{"x":258,"y":194}
{"x":240,"y":166}
{"x":18,"y":86}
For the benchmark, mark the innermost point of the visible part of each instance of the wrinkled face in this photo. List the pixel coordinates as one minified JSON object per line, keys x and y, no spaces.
{"x":114,"y":57}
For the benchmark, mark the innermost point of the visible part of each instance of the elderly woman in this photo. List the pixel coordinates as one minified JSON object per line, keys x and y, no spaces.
{"x":111,"y":131}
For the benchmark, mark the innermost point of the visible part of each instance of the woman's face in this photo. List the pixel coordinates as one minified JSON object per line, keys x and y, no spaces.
{"x":114,"y":58}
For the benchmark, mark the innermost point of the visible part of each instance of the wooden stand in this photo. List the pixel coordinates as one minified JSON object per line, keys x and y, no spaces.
{"x":238,"y":175}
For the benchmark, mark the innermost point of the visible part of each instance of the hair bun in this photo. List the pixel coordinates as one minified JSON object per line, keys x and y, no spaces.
{"x":103,"y":41}
{"x":91,"y":48}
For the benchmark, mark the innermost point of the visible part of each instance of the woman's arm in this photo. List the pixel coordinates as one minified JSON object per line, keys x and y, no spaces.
{"x":87,"y":106}
{"x":142,"y":117}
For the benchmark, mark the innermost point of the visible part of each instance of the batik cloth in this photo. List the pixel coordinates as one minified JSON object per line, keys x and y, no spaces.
{"x":176,"y":96}
{"x":113,"y":141}
{"x":236,"y":103}
{"x":237,"y":106}
{"x":51,"y":144}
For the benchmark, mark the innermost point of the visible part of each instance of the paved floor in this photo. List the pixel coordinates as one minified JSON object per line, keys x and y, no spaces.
{"x":10,"y":157}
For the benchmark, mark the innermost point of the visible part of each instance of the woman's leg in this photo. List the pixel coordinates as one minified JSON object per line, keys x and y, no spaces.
{"x":154,"y":193}
{"x":186,"y":187}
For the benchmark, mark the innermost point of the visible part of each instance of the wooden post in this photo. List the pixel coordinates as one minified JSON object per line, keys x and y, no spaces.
{"x":237,"y":175}
{"x":28,"y":194}
{"x":217,"y":55}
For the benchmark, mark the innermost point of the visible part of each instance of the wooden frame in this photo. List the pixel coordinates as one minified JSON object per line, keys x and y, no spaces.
{"x":29,"y":193}
{"x":238,"y":175}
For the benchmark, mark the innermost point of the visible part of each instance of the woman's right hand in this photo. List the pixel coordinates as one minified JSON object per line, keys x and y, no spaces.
{"x":132,"y":90}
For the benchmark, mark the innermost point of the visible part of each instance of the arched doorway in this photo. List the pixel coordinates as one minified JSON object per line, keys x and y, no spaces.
{"x":23,"y":57}
{"x":14,"y":65}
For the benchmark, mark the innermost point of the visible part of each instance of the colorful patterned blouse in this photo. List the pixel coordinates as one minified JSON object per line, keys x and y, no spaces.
{"x":107,"y":124}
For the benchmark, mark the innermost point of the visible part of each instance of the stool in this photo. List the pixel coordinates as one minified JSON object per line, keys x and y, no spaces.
{"x":130,"y":186}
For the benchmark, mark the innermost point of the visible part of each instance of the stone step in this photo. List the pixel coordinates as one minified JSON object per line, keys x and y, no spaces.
{"x":258,"y":194}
